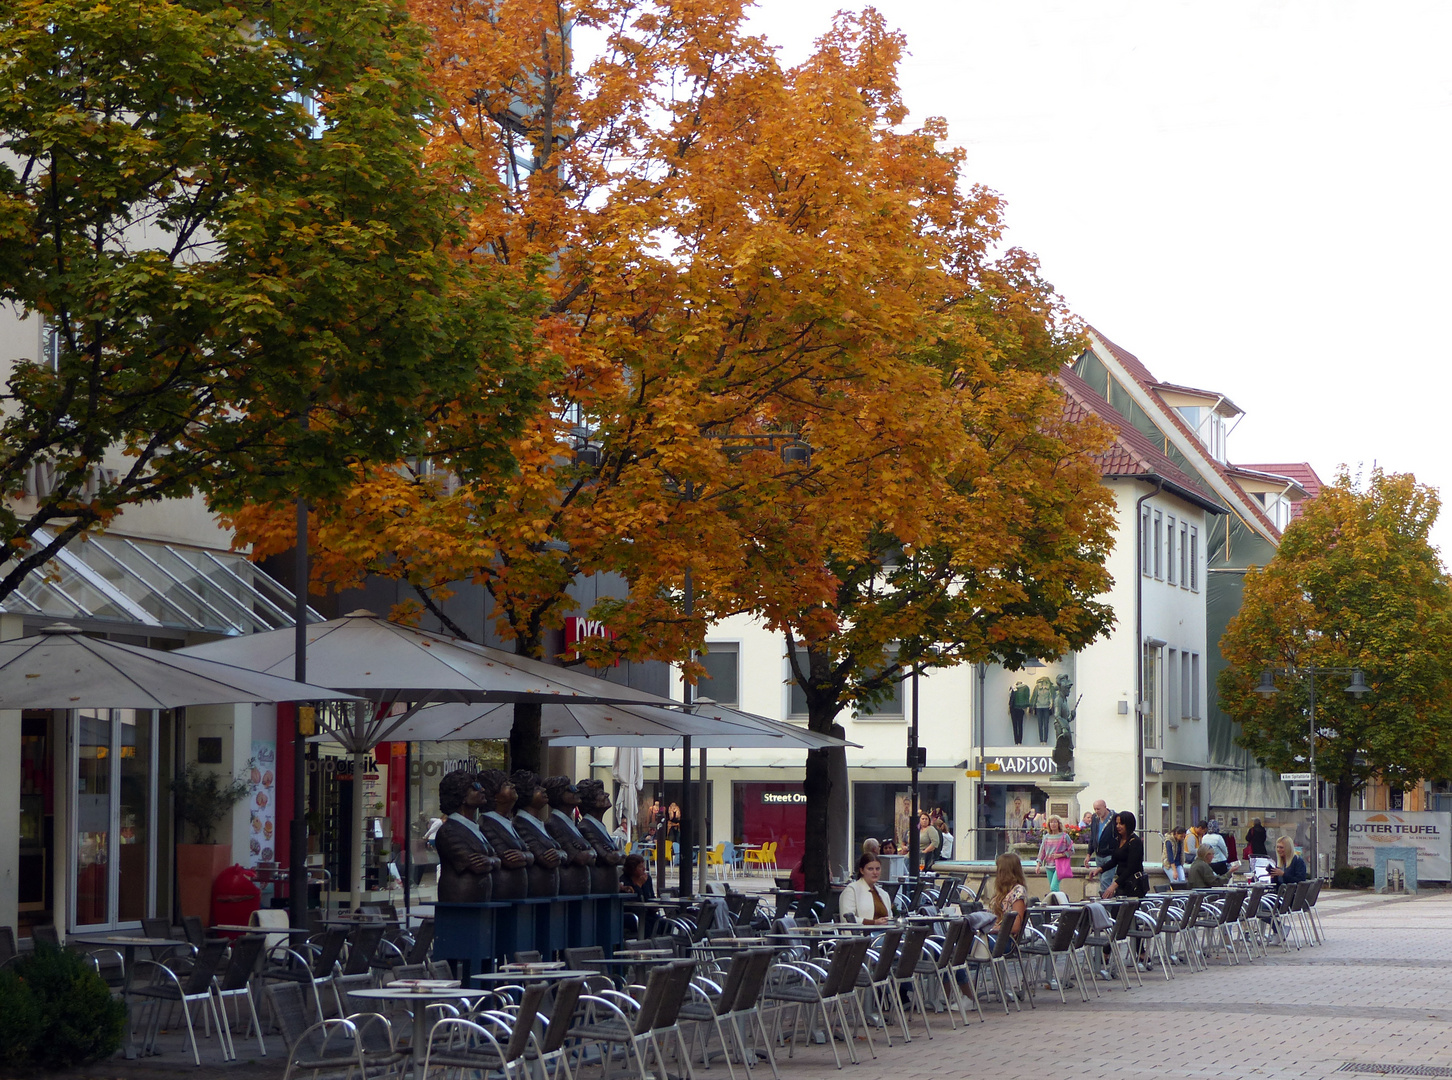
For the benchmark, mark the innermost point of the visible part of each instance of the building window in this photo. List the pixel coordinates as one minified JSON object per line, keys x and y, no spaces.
{"x":1170,"y":551}
{"x":1189,"y":663}
{"x":722,"y":683}
{"x":1184,"y":563}
{"x":1159,"y":544}
{"x":1149,"y":714}
{"x":890,"y":705}
{"x":1194,"y":559}
{"x":797,"y":697}
{"x":1172,"y":684}
{"x":1194,"y":686}
{"x":1145,"y":563}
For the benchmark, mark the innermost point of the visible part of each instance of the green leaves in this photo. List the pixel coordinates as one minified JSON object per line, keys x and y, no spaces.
{"x":213,"y":261}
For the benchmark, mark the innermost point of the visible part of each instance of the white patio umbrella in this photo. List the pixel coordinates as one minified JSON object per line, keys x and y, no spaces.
{"x":62,"y":668}
{"x":629,"y":772}
{"x":388,"y":663}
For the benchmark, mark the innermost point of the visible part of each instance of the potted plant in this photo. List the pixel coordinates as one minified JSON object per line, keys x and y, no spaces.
{"x":203,"y":800}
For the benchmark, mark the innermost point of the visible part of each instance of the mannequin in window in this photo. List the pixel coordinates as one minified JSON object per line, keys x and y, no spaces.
{"x":1019,"y":700}
{"x":511,"y":881}
{"x":564,"y":799}
{"x":529,"y":821}
{"x":1044,"y":705}
{"x":466,"y":859}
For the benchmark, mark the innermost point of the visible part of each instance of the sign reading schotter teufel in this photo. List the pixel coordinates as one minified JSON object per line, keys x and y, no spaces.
{"x":1430,"y":833}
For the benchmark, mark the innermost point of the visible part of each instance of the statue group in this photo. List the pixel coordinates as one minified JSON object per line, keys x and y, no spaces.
{"x":527,"y":842}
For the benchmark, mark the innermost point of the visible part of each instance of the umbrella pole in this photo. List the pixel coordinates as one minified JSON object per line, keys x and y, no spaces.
{"x":407,"y":826}
{"x":701,"y":818}
{"x":355,"y":874}
{"x":660,"y":829}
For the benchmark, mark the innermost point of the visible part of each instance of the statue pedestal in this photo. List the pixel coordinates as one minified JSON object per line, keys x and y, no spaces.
{"x":1062,"y":799}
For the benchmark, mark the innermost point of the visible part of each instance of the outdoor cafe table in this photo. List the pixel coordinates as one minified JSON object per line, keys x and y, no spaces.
{"x":421,"y":1015}
{"x":628,"y":963}
{"x":129,"y":945}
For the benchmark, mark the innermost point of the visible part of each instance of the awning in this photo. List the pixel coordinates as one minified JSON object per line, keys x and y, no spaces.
{"x":1202,"y":766}
{"x":150,"y":584}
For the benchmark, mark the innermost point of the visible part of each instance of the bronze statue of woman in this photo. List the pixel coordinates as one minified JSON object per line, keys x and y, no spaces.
{"x":466,"y":858}
{"x":529,"y":822}
{"x":580,"y":854}
{"x":605,"y":874}
{"x":511,"y":880}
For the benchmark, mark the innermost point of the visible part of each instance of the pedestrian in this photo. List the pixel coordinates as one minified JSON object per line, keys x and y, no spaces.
{"x":1255,"y":839}
{"x":1056,"y":853}
{"x":946,"y":840}
{"x":1212,"y":837}
{"x":1127,"y":859}
{"x":929,"y":840}
{"x":1175,"y":855}
{"x":1102,"y":843}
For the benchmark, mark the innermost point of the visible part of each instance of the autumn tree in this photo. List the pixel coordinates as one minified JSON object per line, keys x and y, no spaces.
{"x":1355,"y":584}
{"x":223,"y":216}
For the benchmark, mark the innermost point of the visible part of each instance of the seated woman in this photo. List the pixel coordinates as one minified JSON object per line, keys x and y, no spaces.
{"x":1289,"y":868}
{"x":1010,"y":892}
{"x":1175,"y":855}
{"x":637,"y":878}
{"x":1201,"y":874}
{"x":863,"y":899}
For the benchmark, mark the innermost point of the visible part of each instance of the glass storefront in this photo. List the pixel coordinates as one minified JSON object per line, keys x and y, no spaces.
{"x":116,"y":775}
{"x":764,"y":813}
{"x":883,"y":810}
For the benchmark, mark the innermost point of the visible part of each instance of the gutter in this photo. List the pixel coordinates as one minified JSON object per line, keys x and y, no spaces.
{"x":1139,"y":639}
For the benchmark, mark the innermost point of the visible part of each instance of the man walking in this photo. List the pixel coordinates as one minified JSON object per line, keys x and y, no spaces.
{"x":1102,"y":842}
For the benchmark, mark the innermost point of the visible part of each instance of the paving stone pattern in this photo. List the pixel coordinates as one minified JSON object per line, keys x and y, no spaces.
{"x":1379,"y":991}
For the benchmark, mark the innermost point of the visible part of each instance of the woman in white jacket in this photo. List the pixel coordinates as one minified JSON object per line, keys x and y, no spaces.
{"x":863,"y":899}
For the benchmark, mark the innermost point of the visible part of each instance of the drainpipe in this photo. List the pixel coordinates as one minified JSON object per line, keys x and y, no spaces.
{"x":1140,"y":568}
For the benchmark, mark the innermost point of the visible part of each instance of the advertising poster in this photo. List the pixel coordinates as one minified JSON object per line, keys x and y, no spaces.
{"x":262,"y":782}
{"x":1430,"y":833}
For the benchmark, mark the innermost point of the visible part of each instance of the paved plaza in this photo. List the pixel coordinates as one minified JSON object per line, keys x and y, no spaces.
{"x":1376,"y":993}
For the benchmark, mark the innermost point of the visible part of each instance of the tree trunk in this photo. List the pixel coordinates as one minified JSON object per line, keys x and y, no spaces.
{"x":818,"y":787}
{"x":524,"y":751}
{"x":1344,"y":790}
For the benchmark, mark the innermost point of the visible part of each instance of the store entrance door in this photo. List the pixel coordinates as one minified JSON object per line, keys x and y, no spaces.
{"x":113,"y":811}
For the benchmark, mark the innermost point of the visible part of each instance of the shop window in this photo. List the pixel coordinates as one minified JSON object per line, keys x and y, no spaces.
{"x":883,"y":810}
{"x":722,"y":680}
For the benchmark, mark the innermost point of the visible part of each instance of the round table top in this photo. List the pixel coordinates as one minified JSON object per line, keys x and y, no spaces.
{"x":409,"y":993}
{"x":238,"y":928}
{"x":632,"y":961}
{"x":127,"y":939}
{"x":531,"y":976}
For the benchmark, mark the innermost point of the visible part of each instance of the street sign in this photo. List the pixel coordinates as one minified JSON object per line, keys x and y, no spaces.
{"x":1296,"y":777}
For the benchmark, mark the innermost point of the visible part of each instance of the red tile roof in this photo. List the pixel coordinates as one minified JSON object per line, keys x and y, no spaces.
{"x":1132,"y":453}
{"x":1148,"y":383}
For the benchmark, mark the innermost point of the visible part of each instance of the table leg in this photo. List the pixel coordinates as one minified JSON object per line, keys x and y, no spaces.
{"x":129,"y":959}
{"x":420,"y":1035}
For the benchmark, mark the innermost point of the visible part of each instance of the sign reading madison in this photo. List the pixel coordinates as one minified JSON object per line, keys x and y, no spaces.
{"x":1036,"y":765}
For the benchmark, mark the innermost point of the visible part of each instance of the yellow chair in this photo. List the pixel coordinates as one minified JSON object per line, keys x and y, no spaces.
{"x":768,"y":856}
{"x":717,"y":857}
{"x":751,"y":858}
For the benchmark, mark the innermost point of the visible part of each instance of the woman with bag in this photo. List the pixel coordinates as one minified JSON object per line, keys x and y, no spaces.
{"x":1056,"y":854}
{"x":1127,"y":861}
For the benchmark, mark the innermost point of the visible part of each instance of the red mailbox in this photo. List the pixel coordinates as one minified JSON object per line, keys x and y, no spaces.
{"x":235,"y":896}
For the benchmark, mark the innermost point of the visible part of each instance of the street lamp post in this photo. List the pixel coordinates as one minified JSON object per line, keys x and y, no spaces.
{"x":1357,"y":688}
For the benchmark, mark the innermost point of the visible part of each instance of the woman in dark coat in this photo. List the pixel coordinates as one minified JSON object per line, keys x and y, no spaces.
{"x":529,"y":822}
{"x":1127,"y":861}
{"x":511,"y":877}
{"x":605,"y":874}
{"x":466,"y":859}
{"x":1255,"y":839}
{"x":579,"y":859}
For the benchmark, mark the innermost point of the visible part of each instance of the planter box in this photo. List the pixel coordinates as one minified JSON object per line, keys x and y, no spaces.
{"x":197,"y":866}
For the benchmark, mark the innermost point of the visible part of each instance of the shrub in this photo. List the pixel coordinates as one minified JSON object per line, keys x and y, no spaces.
{"x":79,"y":1020}
{"x":1353,"y":877}
{"x":19,"y":1021}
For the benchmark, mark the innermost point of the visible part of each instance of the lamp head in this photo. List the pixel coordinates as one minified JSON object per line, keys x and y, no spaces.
{"x":1267,"y":685}
{"x":1358,"y":685}
{"x":796,"y":453}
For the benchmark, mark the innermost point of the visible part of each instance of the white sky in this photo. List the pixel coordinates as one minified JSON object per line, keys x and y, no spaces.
{"x":1252,"y":198}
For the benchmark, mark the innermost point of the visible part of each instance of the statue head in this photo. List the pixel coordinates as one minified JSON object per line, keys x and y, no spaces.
{"x":499,"y":791}
{"x":593,"y":798}
{"x":532,"y":794}
{"x":562,"y":793}
{"x":454,"y":788}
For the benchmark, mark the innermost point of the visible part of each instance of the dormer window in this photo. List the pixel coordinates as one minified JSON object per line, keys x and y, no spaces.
{"x":1277,"y":508}
{"x":1208,"y":426}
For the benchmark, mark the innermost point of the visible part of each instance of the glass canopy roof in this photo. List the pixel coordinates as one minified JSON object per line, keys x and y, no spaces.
{"x":148,"y":583}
